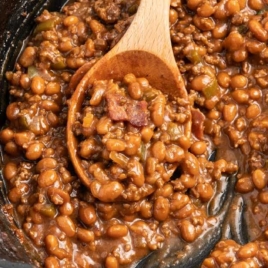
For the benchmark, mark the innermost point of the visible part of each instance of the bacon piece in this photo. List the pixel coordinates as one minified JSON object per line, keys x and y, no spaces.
{"x":116,"y":105}
{"x":137,"y":113}
{"x":121,"y":108}
{"x":198,"y":119}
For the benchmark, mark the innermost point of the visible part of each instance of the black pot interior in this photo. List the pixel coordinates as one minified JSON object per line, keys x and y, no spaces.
{"x":16,"y":23}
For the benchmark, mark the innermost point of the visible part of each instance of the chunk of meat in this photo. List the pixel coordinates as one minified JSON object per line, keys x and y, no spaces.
{"x":121,"y":108}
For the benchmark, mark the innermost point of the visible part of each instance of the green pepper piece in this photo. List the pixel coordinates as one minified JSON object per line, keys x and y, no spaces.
{"x":211,"y":90}
{"x":46,"y":25}
{"x":48,"y":210}
{"x":59,"y":64}
{"x":194,"y":57}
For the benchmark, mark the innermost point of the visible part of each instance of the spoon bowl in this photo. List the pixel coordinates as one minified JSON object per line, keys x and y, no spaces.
{"x":146,"y":51}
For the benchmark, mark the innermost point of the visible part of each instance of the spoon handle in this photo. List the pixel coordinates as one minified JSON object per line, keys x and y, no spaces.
{"x":149,"y":31}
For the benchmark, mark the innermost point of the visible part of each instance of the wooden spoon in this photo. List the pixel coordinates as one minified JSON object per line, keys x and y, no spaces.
{"x":146,"y":51}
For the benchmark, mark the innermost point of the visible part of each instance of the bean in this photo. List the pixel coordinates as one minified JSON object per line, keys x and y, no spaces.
{"x":117,"y":230}
{"x":10,"y":170}
{"x":103,"y":125}
{"x":244,"y":185}
{"x":158,"y":109}
{"x":184,"y":212}
{"x":11,"y":148}
{"x":34,"y":150}
{"x":87,"y":148}
{"x":263,"y":197}
{"x":111,"y":262}
{"x":115,"y":145}
{"x":66,"y":209}
{"x":23,"y":137}
{"x":70,"y":20}
{"x":46,"y":163}
{"x":255,"y":46}
{"x":234,"y":41}
{"x":240,"y":264}
{"x":188,"y":232}
{"x":85,"y":235}
{"x":65,"y":45}
{"x":259,"y":179}
{"x":135,"y":172}
{"x":205,"y":191}
{"x":47,"y":178}
{"x":146,"y":209}
{"x":97,"y":27}
{"x":240,"y":55}
{"x":25,"y":81}
{"x":108,"y":192}
{"x":51,"y":242}
{"x":223,"y":79}
{"x":67,"y":225}
{"x":238,"y":81}
{"x":27,"y":57}
{"x":173,"y":16}
{"x":258,"y":31}
{"x":198,"y":147}
{"x":174,"y":153}
{"x":232,"y":7}
{"x":12,"y":111}
{"x":199,"y":83}
{"x":254,"y":93}
{"x":241,"y":96}
{"x":193,"y":4}
{"x":87,"y":214}
{"x":190,"y":164}
{"x":16,"y":193}
{"x":158,"y":150}
{"x":165,"y":191}
{"x":205,"y":10}
{"x":133,"y":143}
{"x":178,"y":201}
{"x":220,"y":30}
{"x":247,"y":251}
{"x":89,"y":48}
{"x":50,"y":105}
{"x":135,"y":90}
{"x":146,"y":134}
{"x":56,"y":195}
{"x":38,"y":85}
{"x":6,"y":135}
{"x":229,"y":112}
{"x":151,"y":163}
{"x":52,"y":88}
{"x":52,"y":262}
{"x":256,"y":4}
{"x":161,"y":208}
{"x":188,"y":181}
{"x":253,"y":110}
